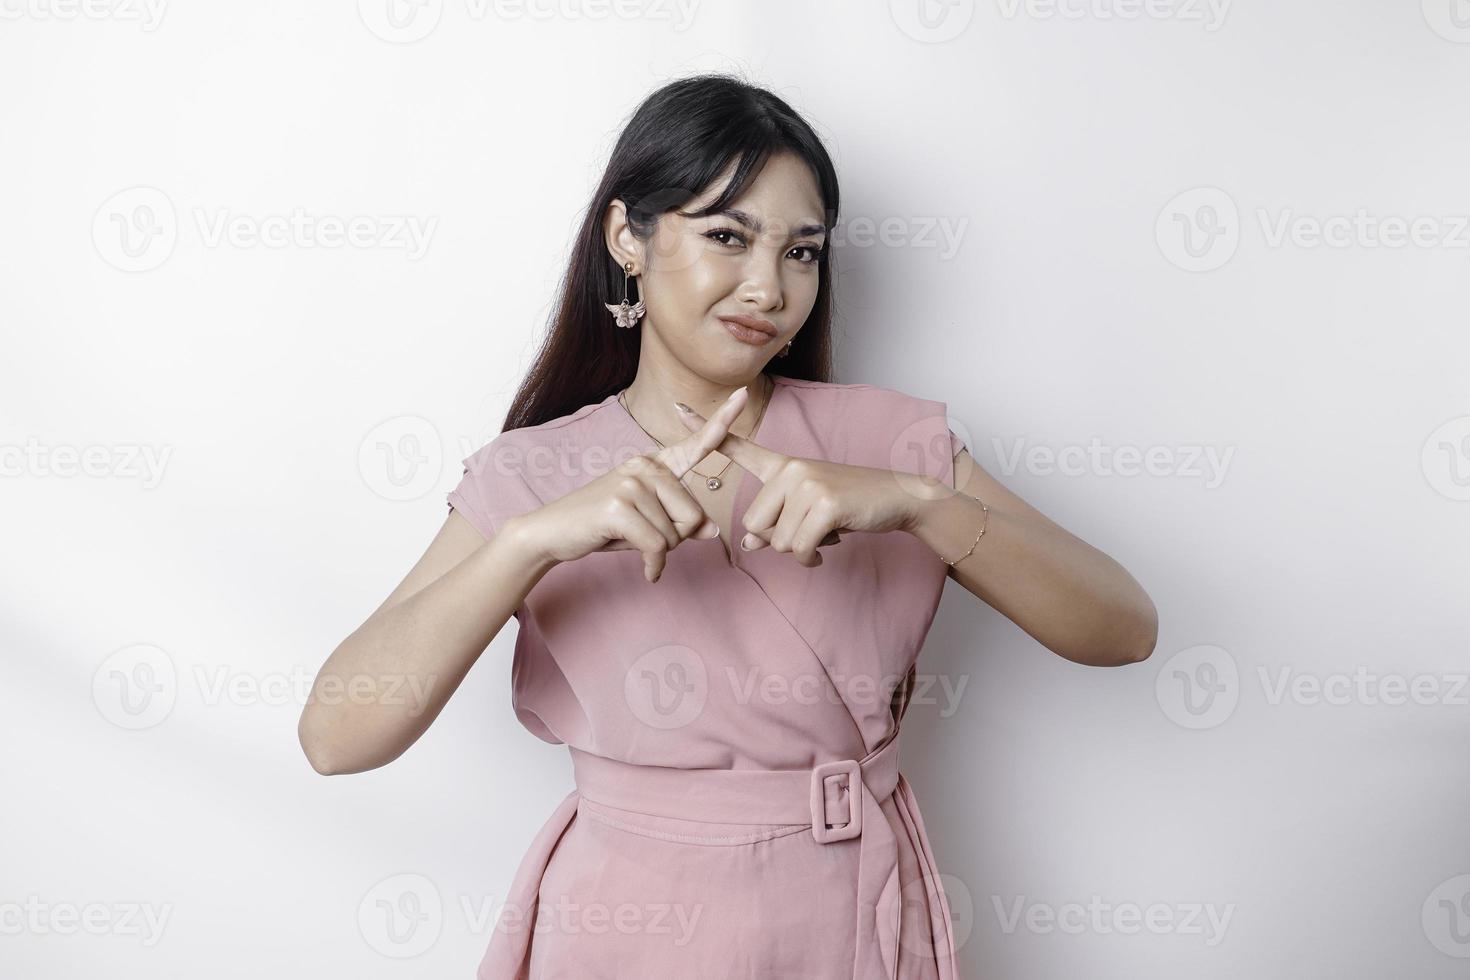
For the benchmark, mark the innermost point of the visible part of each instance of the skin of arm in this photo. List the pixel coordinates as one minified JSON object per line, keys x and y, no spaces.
{"x":386,"y":683}
{"x":1072,"y":598}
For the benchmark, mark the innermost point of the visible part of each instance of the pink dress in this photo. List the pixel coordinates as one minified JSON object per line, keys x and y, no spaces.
{"x":738,"y":810}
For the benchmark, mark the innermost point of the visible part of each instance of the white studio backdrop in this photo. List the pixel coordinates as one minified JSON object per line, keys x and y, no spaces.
{"x":1190,"y":275}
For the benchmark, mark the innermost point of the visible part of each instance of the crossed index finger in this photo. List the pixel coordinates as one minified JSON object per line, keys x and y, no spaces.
{"x":681,"y":456}
{"x":749,"y":455}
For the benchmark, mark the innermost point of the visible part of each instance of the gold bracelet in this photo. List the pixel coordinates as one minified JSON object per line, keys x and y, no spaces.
{"x":983,"y":525}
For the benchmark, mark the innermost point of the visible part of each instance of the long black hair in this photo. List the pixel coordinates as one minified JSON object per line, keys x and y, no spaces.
{"x":678,"y":142}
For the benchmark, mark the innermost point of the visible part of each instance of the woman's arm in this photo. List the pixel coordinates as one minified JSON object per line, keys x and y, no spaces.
{"x":386,"y":683}
{"x":1075,"y":600}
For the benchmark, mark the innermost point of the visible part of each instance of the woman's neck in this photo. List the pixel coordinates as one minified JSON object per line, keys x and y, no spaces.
{"x":652,"y":404}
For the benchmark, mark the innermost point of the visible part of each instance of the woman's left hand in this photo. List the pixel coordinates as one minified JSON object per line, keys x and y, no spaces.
{"x":804,"y":502}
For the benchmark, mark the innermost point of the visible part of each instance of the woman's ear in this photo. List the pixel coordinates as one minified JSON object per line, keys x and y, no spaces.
{"x":621,"y":244}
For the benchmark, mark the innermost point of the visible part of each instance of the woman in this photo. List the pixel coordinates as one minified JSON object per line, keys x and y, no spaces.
{"x":723,"y":565}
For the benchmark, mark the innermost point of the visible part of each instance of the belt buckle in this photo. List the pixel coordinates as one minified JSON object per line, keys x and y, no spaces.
{"x":820,"y":775}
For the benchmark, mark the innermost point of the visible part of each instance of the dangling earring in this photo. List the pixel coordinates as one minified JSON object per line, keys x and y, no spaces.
{"x":623,"y":314}
{"x":785,"y":350}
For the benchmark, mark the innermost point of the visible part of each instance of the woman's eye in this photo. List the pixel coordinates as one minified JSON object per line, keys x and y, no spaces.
{"x":725,"y":231}
{"x":715,"y":235}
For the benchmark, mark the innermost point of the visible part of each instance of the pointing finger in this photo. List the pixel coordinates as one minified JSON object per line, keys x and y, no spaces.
{"x":681,"y":456}
{"x":749,"y":455}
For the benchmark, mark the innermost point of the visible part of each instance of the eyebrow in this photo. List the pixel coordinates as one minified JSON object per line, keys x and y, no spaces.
{"x":749,"y":220}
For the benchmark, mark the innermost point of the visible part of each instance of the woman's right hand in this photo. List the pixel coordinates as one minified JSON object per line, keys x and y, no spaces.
{"x":640,"y":504}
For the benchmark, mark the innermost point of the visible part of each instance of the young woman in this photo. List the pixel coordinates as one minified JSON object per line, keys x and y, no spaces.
{"x":723,"y":565}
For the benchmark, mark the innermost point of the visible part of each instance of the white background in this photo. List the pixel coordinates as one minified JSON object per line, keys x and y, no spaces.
{"x":1329,"y":382}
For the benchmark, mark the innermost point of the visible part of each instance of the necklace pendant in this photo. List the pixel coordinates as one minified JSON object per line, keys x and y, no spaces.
{"x":713,"y":483}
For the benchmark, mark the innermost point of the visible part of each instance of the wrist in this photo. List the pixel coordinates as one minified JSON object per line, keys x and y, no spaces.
{"x":928,"y":511}
{"x":520,"y":535}
{"x":951,"y":526}
{"x":929,"y":498}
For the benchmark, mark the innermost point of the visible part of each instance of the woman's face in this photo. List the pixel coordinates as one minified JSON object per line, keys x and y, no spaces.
{"x":758,"y":259}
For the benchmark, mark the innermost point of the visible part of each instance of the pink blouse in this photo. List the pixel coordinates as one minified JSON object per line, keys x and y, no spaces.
{"x":733,"y":726}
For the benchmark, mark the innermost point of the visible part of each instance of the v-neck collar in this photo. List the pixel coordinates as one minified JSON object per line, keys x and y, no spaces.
{"x":742,"y":487}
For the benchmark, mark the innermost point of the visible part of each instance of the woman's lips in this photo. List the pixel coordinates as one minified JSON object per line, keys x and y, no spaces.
{"x":747,"y":335}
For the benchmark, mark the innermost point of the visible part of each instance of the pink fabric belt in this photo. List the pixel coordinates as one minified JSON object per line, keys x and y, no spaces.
{"x":841,"y":800}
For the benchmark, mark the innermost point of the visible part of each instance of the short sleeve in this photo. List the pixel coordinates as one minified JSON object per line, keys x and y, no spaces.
{"x":494,"y":487}
{"x":955,"y":445}
{"x":468,"y":499}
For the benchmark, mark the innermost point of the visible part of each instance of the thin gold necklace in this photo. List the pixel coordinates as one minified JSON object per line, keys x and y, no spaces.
{"x":713,"y":482}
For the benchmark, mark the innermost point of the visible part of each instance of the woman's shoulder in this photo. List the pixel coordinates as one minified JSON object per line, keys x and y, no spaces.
{"x":590,"y":416}
{"x":878,"y":425}
{"x":521,"y":468}
{"x":841,"y":398}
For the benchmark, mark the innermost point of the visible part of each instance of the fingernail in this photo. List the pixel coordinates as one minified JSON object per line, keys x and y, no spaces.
{"x":746,"y":544}
{"x":684,"y":408}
